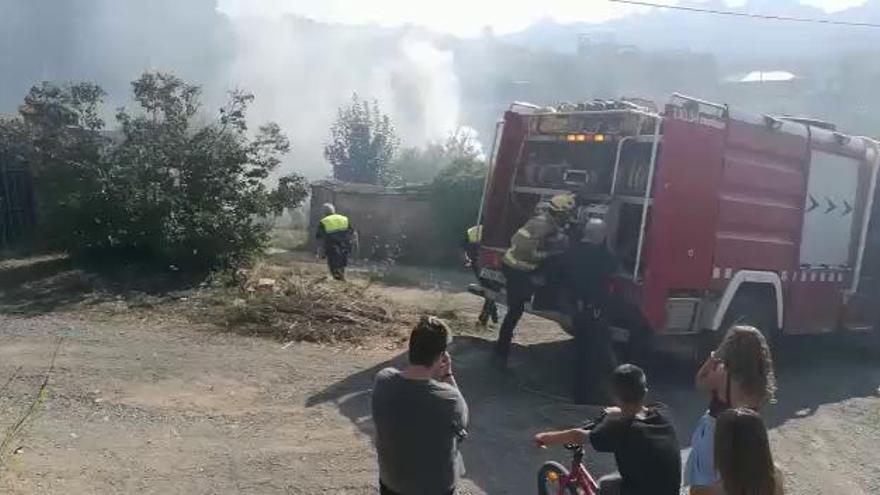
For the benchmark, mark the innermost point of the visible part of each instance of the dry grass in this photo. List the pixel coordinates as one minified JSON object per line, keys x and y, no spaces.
{"x":294,"y":304}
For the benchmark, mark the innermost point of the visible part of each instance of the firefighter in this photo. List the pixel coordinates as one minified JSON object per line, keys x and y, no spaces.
{"x":471,"y":247}
{"x":529,"y":247}
{"x":336,"y":234}
{"x":590,"y":265}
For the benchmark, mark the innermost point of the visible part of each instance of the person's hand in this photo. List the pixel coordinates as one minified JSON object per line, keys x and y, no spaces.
{"x":541,"y":440}
{"x":716,"y":372}
{"x":444,"y":372}
{"x":711,"y":376}
{"x":613,"y":412}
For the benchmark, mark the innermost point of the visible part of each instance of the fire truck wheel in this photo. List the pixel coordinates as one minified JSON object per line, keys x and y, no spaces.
{"x":753,"y":306}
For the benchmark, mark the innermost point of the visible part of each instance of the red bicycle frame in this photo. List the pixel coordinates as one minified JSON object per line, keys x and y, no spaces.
{"x":578,"y":476}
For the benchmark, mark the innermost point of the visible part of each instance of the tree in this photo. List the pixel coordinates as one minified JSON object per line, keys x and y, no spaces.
{"x":62,"y":142}
{"x":167,"y":187}
{"x":455,"y":195}
{"x":416,"y":165}
{"x":362,"y":144}
{"x":293,"y":189}
{"x":421,"y":165}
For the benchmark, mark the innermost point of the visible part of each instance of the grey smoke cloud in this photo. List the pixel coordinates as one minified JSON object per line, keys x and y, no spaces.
{"x":300,"y":71}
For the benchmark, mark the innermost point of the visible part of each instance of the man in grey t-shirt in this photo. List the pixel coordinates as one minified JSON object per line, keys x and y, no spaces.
{"x":420,"y":418}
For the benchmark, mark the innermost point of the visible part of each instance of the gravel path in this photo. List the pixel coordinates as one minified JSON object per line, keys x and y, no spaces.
{"x":142,"y":401}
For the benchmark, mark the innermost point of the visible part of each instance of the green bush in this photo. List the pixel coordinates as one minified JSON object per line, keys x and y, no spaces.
{"x":455,"y":197}
{"x":169,"y":185}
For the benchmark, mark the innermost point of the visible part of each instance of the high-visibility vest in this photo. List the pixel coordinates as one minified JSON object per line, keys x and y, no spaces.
{"x":475,"y":234}
{"x":511,"y":261}
{"x":335,"y":223}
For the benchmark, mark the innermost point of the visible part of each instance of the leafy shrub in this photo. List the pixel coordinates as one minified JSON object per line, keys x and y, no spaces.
{"x":456,"y":194}
{"x":168,"y":186}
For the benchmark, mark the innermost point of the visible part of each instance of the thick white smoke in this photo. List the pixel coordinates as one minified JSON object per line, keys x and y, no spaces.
{"x":302,"y":72}
{"x":420,"y":88}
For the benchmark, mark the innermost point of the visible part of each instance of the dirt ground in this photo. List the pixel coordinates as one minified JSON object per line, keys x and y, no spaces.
{"x":142,"y":400}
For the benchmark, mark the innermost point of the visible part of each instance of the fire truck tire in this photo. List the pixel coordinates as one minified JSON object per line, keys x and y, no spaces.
{"x":871,"y":344}
{"x":753,"y":306}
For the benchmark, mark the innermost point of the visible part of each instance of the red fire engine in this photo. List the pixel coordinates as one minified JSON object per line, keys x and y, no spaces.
{"x":717,"y":216}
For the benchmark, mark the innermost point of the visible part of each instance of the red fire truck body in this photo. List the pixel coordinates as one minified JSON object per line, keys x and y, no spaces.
{"x":707,"y":209}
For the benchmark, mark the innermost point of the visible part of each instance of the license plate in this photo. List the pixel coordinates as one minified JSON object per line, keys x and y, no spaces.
{"x":492,"y":275}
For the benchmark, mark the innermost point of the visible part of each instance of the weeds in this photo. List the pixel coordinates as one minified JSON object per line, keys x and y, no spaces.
{"x":293,"y":305}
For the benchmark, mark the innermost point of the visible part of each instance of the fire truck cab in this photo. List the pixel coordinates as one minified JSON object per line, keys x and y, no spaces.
{"x":717,"y":216}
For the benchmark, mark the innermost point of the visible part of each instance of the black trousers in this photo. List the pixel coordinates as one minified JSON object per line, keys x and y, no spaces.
{"x":520,"y":290}
{"x":337,"y":260}
{"x":594,"y":357}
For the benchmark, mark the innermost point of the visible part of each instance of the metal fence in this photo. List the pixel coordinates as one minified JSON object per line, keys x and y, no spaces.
{"x":17,"y":215}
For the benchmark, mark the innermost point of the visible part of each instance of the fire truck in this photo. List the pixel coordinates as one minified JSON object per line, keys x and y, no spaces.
{"x":716,"y":216}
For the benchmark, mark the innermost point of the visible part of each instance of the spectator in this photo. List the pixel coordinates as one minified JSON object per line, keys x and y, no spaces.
{"x":420,"y":418}
{"x":738,"y":374}
{"x":742,"y":455}
{"x":641,"y":437}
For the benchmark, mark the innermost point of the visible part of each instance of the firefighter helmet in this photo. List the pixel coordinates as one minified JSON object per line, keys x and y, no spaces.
{"x":563,"y":203}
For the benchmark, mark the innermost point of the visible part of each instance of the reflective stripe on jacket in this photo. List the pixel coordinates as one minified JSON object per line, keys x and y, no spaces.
{"x":527,"y":244}
{"x":335,"y":223}
{"x":475,"y":234}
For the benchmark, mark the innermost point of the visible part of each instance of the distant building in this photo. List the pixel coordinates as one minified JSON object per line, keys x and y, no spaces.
{"x":760,"y":76}
{"x":778,"y":91}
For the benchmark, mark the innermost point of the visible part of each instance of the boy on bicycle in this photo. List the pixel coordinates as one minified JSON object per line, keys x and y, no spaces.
{"x":640,"y":436}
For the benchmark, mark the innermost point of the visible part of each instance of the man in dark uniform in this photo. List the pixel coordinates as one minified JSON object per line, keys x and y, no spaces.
{"x":590,"y":267}
{"x":471,"y":247}
{"x":336,"y":233}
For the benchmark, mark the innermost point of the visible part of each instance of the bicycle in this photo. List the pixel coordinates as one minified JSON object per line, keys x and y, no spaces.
{"x":577,"y":481}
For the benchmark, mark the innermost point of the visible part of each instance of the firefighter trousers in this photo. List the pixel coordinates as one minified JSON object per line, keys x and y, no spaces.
{"x":337,"y":260}
{"x":520,"y":290}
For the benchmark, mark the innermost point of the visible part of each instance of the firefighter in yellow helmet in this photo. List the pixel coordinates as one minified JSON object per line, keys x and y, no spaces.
{"x":529,"y":246}
{"x":336,"y":233}
{"x":471,"y":246}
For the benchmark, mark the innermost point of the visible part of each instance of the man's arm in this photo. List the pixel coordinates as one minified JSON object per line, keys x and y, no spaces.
{"x":462,"y":413}
{"x":446,"y":376}
{"x":574,"y":436}
{"x":606,"y":436}
{"x":319,"y":232}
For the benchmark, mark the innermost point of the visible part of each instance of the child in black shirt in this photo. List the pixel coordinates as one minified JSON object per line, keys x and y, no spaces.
{"x":640,"y":436}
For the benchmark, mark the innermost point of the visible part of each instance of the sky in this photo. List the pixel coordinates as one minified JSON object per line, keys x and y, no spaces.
{"x":458,"y":17}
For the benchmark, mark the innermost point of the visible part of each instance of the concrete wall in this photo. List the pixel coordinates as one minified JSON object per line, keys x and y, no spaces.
{"x":391,"y":222}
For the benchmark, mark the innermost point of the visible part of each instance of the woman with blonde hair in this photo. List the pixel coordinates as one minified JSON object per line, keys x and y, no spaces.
{"x":738,"y":374}
{"x":742,"y":455}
